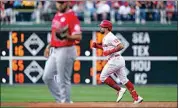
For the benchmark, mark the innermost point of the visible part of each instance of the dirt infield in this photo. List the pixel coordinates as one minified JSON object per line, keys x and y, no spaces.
{"x":91,"y":104}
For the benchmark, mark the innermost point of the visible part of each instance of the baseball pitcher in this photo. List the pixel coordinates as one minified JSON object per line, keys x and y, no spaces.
{"x":65,"y":30}
{"x":111,"y":46}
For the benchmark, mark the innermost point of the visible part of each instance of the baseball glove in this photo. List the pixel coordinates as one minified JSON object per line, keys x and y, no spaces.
{"x":62,"y":33}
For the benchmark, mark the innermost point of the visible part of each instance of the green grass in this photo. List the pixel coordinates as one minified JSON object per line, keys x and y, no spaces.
{"x":83,"y":93}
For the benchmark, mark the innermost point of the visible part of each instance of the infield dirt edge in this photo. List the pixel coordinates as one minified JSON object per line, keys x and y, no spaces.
{"x":91,"y":104}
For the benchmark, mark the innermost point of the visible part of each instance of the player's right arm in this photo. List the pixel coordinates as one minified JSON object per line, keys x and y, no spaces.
{"x":47,"y":51}
{"x":96,"y":45}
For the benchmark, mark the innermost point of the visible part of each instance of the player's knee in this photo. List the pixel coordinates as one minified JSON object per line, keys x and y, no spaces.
{"x":67,"y":82}
{"x":102,"y":78}
{"x":124,"y":80}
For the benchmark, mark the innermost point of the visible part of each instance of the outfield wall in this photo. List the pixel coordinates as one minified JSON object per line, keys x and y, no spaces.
{"x":150,"y":54}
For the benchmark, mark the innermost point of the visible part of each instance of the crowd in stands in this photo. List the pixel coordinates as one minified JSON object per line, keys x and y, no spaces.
{"x":88,"y":10}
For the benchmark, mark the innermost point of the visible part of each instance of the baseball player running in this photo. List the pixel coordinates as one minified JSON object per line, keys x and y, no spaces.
{"x":65,"y":30}
{"x":111,"y":46}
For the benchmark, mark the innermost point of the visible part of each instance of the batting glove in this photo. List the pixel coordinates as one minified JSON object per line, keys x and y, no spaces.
{"x":95,"y":45}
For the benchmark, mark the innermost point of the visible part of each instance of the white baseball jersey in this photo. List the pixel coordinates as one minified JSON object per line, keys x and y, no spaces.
{"x":109,"y":42}
{"x":116,"y":64}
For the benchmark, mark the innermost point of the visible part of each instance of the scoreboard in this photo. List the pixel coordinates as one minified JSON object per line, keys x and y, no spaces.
{"x":151,"y":56}
{"x":29,"y":45}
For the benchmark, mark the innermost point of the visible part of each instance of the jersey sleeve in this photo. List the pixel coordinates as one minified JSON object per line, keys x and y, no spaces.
{"x":74,"y":25}
{"x":115,"y":41}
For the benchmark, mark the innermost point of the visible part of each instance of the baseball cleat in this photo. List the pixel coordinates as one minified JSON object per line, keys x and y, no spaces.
{"x":62,"y":102}
{"x":139,"y":100}
{"x":120,"y":94}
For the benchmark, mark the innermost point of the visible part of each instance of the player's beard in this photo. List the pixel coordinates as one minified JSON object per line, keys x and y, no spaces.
{"x":62,"y":7}
{"x":102,"y":30}
{"x":63,"y":10}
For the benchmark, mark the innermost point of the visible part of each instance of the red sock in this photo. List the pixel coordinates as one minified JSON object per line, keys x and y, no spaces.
{"x":131,"y":89}
{"x":109,"y":81}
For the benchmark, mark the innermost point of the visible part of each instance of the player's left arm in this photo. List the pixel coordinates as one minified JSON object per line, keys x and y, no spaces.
{"x":117,"y":43}
{"x":74,"y":37}
{"x":75,"y":29}
{"x":117,"y":47}
{"x":72,"y":31}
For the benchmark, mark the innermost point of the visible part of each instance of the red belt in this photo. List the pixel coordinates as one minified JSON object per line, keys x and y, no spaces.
{"x":114,"y":56}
